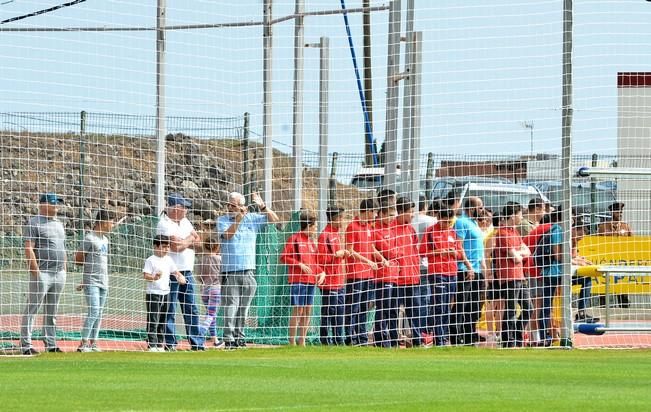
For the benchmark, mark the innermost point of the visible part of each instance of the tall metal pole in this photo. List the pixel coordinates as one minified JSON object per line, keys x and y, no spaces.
{"x":245,"y":161}
{"x":368,"y":82}
{"x":393,"y":64}
{"x":297,"y":148}
{"x":332,"y":182}
{"x":324,"y":78}
{"x":267,"y":135}
{"x":405,"y":159}
{"x":160,"y":107}
{"x":416,"y":38}
{"x":82,"y":165}
{"x":566,"y":204}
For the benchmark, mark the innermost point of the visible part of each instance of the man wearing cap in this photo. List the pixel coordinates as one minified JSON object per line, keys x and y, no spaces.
{"x":183,"y":240}
{"x":615,"y":226}
{"x":46,"y":260}
{"x":238,"y":230}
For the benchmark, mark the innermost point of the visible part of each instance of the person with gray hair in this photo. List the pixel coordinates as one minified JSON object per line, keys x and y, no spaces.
{"x":46,"y":260}
{"x":238,"y":230}
{"x":183,"y":241}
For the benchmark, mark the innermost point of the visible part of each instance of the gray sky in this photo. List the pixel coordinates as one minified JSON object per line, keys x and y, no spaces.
{"x":487,"y":67}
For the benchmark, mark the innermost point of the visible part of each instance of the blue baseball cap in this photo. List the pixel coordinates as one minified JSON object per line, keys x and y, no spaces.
{"x":176,"y":199}
{"x":51,"y":198}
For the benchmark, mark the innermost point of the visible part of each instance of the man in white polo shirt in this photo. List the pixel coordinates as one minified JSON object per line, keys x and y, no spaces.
{"x":183,"y":239}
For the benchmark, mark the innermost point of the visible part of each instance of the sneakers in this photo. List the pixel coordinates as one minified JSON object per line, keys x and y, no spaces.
{"x":240,"y":344}
{"x":426,"y":339}
{"x":230,"y":345}
{"x":95,"y":348}
{"x":156,"y":349}
{"x":84,"y":348}
{"x":30,"y":352}
{"x":219,"y":344}
{"x":169,"y":348}
{"x":54,"y":349}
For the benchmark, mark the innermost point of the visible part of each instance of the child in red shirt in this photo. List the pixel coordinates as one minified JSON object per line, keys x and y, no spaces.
{"x":304,"y":273}
{"x":508,"y":257}
{"x":442,"y":249}
{"x":409,"y":274}
{"x":331,"y":258}
{"x":386,"y":302}
{"x":359,"y":278}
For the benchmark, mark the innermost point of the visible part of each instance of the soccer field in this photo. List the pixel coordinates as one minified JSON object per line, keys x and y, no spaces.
{"x":330,"y":379}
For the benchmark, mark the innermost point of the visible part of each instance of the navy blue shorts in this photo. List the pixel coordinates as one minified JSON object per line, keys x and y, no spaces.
{"x":302,"y":294}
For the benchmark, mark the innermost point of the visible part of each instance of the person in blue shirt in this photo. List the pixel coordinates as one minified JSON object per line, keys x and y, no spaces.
{"x":238,"y":230}
{"x":549,"y":255}
{"x":470,"y":277}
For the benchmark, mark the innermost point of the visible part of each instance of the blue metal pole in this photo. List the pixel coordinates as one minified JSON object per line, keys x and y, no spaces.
{"x":362,"y":97}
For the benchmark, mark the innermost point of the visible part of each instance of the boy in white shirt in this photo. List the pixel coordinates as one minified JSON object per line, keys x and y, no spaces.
{"x":157,"y":271}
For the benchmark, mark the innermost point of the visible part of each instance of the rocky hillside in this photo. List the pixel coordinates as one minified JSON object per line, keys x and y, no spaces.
{"x":119,"y":172}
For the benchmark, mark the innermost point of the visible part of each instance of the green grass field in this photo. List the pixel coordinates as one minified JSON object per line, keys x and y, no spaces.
{"x":329,"y":379}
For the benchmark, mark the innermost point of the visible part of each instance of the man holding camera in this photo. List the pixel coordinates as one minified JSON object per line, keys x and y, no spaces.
{"x":238,"y":230}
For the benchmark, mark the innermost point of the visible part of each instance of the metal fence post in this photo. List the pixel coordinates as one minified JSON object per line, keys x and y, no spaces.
{"x":393,"y":64}
{"x":566,"y":159}
{"x":324,"y":77}
{"x":246,"y":183}
{"x":297,"y":149}
{"x":429,"y":176}
{"x":332,"y":196}
{"x":82,"y":162}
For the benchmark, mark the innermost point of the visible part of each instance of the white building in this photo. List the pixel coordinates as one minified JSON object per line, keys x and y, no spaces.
{"x":634,"y":147}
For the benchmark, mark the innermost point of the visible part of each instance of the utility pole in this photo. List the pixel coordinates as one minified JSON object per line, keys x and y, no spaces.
{"x":324,"y":72}
{"x":368,"y":82}
{"x":160,"y":107}
{"x":297,"y":148}
{"x":528,"y":124}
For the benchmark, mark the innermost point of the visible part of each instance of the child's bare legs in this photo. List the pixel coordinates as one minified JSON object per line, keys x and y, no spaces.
{"x":304,"y":323}
{"x":293,"y":323}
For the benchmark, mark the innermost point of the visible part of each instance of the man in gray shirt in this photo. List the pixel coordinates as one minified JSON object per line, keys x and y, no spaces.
{"x":46,"y":260}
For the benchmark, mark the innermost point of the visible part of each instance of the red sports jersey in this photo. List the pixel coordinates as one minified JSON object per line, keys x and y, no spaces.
{"x":385,"y":243}
{"x":436,"y":239}
{"x":359,"y":236}
{"x":409,"y":260}
{"x":298,"y":249}
{"x":506,"y":268}
{"x":531,"y":240}
{"x":329,"y":243}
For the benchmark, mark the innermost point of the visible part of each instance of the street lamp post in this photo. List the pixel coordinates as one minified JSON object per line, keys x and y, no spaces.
{"x":528,"y":124}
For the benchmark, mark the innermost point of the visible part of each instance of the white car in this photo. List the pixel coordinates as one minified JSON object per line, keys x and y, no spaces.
{"x":496,"y":195}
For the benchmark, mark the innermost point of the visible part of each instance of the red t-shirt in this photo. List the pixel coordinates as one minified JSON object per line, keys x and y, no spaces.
{"x":434,"y":239}
{"x":408,"y":258}
{"x":506,"y":268}
{"x":329,"y":243}
{"x":298,"y":249}
{"x":531,"y":240}
{"x":385,"y":243}
{"x":359,"y":236}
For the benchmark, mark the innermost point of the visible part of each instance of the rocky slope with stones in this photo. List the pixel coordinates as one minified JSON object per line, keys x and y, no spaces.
{"x":119,"y":172}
